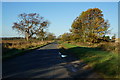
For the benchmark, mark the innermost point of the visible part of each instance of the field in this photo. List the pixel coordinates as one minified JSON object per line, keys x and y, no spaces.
{"x":103,"y":58}
{"x":18,"y":46}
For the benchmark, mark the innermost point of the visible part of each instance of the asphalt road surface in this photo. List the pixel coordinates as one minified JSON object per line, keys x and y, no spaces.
{"x":45,"y":62}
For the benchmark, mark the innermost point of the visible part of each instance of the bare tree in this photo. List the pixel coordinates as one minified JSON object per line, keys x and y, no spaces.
{"x":30,"y":24}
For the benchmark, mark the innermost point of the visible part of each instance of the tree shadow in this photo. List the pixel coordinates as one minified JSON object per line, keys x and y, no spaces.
{"x":39,"y":63}
{"x":44,"y":63}
{"x":76,"y":51}
{"x":107,"y":65}
{"x":79,"y":53}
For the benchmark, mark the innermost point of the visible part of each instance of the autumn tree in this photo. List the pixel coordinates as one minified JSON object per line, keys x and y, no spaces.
{"x":50,"y":36}
{"x":41,"y":35}
{"x":30,"y":24}
{"x":106,"y":38}
{"x":66,"y":36}
{"x":58,"y":37}
{"x":114,"y":37}
{"x":90,"y":25}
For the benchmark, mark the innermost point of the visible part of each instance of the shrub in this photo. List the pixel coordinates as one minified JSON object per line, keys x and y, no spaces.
{"x":109,"y":46}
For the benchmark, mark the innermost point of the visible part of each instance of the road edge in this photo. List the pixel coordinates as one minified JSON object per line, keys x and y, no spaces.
{"x":24,"y":51}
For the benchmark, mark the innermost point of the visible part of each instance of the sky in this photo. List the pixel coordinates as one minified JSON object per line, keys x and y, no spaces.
{"x":60,"y":14}
{"x":60,"y":0}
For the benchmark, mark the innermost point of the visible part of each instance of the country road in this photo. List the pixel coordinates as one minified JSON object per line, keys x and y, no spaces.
{"x":45,"y":62}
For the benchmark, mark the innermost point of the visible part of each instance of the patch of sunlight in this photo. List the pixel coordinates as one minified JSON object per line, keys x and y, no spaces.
{"x":63,"y":56}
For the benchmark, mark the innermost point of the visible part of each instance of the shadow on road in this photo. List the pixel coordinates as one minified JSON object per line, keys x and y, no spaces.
{"x":43,"y":63}
{"x":39,"y":63}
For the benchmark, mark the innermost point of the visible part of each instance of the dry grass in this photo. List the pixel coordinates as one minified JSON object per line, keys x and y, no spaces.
{"x":110,"y":46}
{"x":15,"y":46}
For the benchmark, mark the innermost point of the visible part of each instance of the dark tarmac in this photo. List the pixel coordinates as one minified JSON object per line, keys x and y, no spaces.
{"x":45,"y":62}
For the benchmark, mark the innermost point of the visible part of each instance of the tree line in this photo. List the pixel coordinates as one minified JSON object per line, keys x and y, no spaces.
{"x":89,"y":26}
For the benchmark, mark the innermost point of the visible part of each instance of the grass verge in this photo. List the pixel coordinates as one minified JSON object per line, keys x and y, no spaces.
{"x":103,"y":62}
{"x":16,"y":52}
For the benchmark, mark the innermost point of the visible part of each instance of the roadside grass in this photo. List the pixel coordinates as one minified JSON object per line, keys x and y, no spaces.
{"x":12,"y":48}
{"x":103,"y":62}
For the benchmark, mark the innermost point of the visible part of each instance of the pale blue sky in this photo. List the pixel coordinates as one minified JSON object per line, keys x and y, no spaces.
{"x":60,"y":14}
{"x":60,"y":0}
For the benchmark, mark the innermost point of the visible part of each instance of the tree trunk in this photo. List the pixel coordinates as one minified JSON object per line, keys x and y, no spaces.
{"x":42,"y":39}
{"x":84,"y":38}
{"x":26,"y":36}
